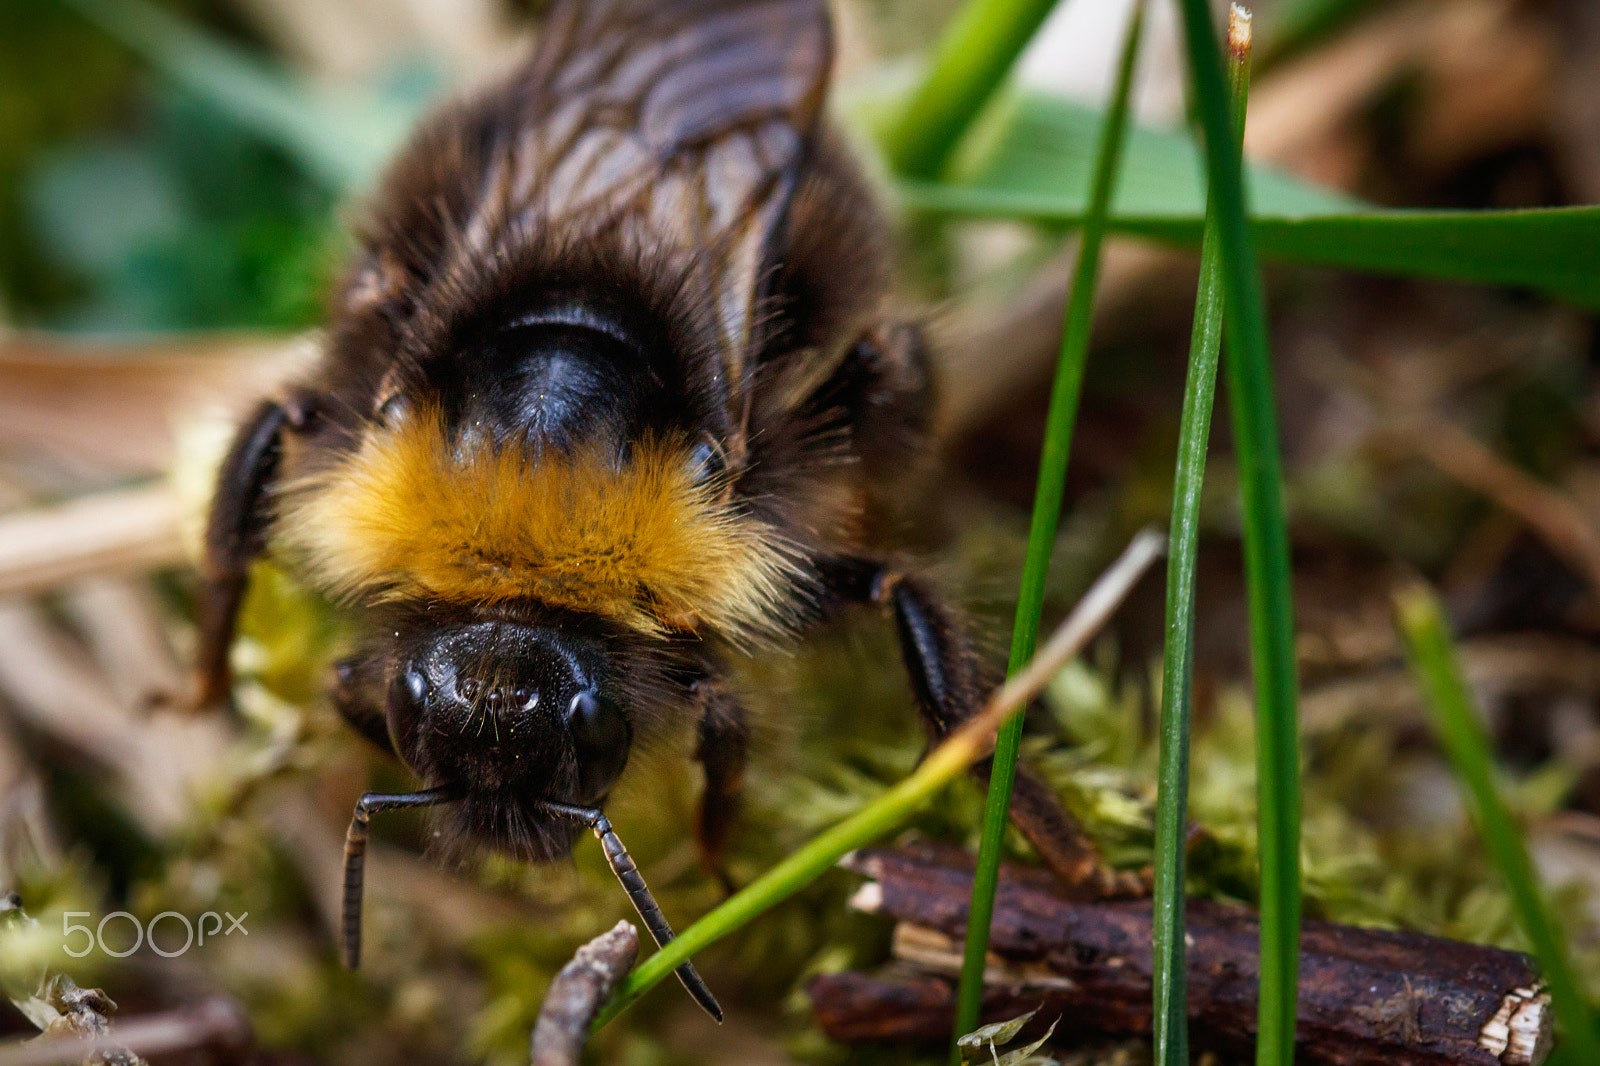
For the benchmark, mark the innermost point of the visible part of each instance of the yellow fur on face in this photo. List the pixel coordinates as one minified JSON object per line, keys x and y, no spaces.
{"x":410,"y":514}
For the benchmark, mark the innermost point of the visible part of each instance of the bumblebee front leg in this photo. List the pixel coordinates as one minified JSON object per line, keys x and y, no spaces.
{"x":724,"y":741}
{"x":948,"y":683}
{"x":236,"y":532}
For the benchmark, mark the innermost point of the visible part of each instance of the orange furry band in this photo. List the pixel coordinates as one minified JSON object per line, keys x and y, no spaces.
{"x":412,"y":512}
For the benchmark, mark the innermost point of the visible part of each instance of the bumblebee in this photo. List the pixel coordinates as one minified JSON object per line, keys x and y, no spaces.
{"x":609,"y":394}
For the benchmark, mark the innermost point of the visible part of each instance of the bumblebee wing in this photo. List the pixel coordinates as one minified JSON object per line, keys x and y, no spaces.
{"x":685,"y":123}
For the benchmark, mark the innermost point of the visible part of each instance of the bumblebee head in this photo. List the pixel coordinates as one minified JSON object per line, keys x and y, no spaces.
{"x":511,"y":714}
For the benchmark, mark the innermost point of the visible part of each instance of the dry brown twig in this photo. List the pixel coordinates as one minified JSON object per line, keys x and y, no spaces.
{"x":583,"y":986}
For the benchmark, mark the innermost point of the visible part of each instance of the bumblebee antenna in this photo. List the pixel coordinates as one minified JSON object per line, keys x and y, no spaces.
{"x":639,"y":895}
{"x":355,"y":855}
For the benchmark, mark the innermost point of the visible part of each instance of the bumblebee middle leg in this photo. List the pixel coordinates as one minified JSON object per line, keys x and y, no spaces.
{"x":949,"y":685}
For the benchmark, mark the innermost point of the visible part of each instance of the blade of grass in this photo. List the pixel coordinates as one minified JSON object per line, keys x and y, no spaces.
{"x":1266,"y":550}
{"x":889,"y":811}
{"x":972,"y":57}
{"x":1171,"y":1011}
{"x":1549,"y":249}
{"x":1042,"y":534}
{"x":1460,"y":730}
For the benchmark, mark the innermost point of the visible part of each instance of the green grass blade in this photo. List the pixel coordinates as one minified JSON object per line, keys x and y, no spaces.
{"x":341,"y":143}
{"x":1455,"y":720}
{"x":890,"y":810}
{"x":1033,"y":160}
{"x":972,"y":57}
{"x":1042,"y":534}
{"x":1548,"y":249}
{"x":1171,"y":1014}
{"x":1266,"y":550}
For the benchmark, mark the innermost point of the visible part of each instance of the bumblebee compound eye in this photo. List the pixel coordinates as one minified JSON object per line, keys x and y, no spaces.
{"x":413,"y":685}
{"x":408,"y":697}
{"x":708,"y":462}
{"x":601,"y":737}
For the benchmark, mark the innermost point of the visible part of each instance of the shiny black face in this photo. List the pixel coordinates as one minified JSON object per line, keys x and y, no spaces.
{"x":511,"y":715}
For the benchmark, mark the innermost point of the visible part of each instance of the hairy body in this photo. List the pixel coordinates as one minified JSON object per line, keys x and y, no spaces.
{"x":610,"y":392}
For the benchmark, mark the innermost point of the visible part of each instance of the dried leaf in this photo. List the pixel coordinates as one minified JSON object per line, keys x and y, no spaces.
{"x":987,"y":1036}
{"x":1024,"y":1056}
{"x":37,"y":1011}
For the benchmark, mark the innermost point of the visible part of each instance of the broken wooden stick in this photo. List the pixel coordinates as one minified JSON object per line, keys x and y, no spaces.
{"x":1368,"y":996}
{"x":583,"y":986}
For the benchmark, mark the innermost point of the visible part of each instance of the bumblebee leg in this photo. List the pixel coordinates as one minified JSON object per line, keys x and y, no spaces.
{"x":947,"y":680}
{"x":355,"y":856}
{"x":724,"y":738}
{"x":236,"y":533}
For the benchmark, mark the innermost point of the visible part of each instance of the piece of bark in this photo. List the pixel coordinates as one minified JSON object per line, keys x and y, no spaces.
{"x":1367,"y":997}
{"x":583,"y":986}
